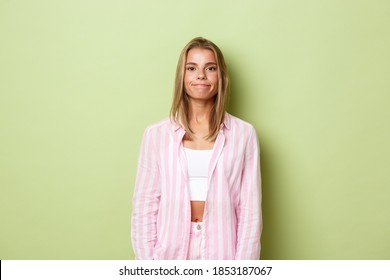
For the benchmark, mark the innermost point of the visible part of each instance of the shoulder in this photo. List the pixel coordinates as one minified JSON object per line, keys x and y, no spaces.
{"x":242,"y":131}
{"x":158,"y":125}
{"x":237,"y":123}
{"x":163,"y":126}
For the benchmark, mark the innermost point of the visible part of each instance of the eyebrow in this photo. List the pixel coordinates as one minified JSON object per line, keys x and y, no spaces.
{"x":208,"y":63}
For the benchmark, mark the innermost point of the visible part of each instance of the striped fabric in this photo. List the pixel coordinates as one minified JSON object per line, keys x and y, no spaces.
{"x":161,"y":217}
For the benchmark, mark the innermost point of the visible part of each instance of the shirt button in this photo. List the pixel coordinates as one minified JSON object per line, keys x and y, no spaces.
{"x":198,"y":227}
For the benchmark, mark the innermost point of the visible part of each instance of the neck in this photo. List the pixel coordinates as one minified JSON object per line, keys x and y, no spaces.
{"x":200,"y":111}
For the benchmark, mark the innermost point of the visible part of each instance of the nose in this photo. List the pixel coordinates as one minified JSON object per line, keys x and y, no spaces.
{"x":201,"y":75}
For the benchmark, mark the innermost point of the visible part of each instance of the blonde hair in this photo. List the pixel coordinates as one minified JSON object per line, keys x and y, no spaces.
{"x":180,"y":106}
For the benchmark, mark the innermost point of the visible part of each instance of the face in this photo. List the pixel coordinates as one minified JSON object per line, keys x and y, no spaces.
{"x":201,"y":74}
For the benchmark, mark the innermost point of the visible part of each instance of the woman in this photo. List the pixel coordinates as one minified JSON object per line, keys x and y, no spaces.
{"x":197,"y":193}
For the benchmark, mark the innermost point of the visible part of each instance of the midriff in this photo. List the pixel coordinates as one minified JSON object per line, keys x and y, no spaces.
{"x":197,"y":209}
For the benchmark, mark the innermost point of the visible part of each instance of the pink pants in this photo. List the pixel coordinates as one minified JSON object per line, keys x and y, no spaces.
{"x":195,"y":249}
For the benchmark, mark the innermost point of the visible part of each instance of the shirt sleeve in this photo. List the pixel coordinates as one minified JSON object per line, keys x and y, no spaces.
{"x":146,"y":200}
{"x":249,"y":211}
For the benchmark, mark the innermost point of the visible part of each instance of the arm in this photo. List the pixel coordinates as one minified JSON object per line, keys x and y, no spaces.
{"x":146,"y":200}
{"x":249,"y":210}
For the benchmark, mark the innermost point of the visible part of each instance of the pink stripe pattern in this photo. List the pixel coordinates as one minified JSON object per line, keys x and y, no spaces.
{"x":161,"y":215}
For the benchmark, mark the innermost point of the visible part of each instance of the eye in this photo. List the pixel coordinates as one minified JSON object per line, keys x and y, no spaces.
{"x":212,"y":68}
{"x":190,"y":68}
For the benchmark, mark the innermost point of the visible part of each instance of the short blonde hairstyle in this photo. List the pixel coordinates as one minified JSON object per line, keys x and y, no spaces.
{"x":180,"y":106}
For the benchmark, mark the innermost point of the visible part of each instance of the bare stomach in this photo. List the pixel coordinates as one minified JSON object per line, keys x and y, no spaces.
{"x":197,"y":209}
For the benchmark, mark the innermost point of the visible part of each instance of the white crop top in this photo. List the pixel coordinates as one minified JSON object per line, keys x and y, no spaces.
{"x":198,"y":166}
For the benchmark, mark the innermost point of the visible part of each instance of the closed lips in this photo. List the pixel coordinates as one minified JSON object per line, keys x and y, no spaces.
{"x":202,"y":85}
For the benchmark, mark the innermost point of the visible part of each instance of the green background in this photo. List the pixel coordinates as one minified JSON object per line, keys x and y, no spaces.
{"x":80,"y":80}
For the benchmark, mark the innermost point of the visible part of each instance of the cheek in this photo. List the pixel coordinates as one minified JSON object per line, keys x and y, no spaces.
{"x":186,"y":82}
{"x":215,"y":78}
{"x":187,"y":78}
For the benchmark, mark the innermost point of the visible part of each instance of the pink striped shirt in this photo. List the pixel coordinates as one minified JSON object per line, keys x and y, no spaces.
{"x":161,"y":217}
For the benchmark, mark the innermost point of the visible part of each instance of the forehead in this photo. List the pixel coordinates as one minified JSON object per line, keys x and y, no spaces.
{"x":199,"y":55}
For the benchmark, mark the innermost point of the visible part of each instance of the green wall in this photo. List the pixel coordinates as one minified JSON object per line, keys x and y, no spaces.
{"x":80,"y":80}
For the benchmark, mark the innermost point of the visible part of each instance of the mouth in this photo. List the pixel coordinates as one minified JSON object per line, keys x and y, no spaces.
{"x":200,"y":85}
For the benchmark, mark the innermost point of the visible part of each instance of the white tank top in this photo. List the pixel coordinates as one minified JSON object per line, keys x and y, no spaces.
{"x":198,"y":166}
